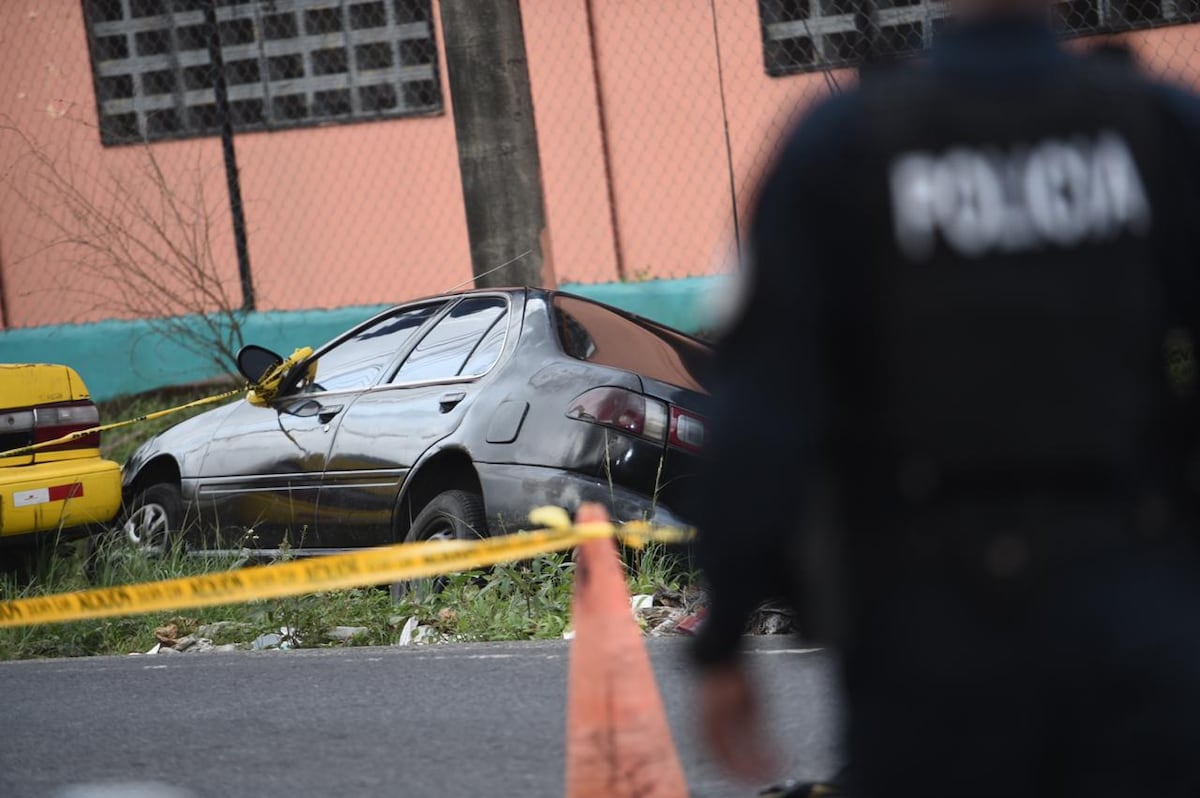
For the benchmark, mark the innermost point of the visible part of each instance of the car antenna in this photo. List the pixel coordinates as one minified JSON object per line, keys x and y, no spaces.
{"x":489,"y":271}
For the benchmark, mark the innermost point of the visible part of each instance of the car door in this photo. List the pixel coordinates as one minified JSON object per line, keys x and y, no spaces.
{"x":388,"y":428}
{"x":262,"y":473}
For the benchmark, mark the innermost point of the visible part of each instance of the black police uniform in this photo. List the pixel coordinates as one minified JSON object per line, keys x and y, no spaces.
{"x":955,"y":418}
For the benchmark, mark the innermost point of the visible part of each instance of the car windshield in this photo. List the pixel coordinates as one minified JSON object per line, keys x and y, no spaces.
{"x":589,"y":331}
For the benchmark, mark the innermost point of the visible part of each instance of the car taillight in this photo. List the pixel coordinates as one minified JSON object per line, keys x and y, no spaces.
{"x":16,"y":429}
{"x":622,"y":409}
{"x":55,"y":421}
{"x":687,"y":430}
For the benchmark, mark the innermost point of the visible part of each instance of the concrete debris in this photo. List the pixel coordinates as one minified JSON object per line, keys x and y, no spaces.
{"x":344,"y":634}
{"x":216,"y":628}
{"x":184,"y":643}
{"x":406,"y":634}
{"x":269,"y":640}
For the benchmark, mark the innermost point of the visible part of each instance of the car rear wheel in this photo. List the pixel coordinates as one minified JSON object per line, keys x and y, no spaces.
{"x":451,"y":515}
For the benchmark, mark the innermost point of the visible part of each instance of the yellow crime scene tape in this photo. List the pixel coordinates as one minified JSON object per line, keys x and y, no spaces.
{"x":259,"y":393}
{"x":83,"y":433}
{"x":375,"y":566}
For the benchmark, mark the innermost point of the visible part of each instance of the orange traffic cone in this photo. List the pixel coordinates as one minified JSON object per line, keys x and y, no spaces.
{"x":618,"y":740}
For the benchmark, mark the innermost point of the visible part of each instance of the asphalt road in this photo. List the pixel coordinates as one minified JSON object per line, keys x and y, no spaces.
{"x":464,"y":720}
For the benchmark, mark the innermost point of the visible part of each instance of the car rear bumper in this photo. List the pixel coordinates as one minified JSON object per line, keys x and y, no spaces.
{"x":511,"y":491}
{"x":65,"y":494}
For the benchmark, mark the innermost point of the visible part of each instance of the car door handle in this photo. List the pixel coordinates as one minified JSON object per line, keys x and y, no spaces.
{"x":449,"y":400}
{"x":326,"y":414}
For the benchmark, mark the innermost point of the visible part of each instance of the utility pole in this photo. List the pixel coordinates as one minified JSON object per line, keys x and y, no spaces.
{"x":221,"y":99}
{"x":497,"y":140}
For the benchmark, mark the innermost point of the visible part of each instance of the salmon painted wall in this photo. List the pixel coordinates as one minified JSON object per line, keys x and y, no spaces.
{"x":644,"y":128}
{"x":575,"y":180}
{"x":655,"y":121}
{"x":341,"y":215}
{"x":47,"y":102}
{"x":761,"y":109}
{"x":356,"y":214}
{"x":660,"y":87}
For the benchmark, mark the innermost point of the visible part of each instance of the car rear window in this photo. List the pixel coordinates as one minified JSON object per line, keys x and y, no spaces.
{"x":591,"y":332}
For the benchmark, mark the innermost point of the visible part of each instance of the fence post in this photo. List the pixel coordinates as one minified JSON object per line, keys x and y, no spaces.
{"x":221,"y":100}
{"x":497,"y":139}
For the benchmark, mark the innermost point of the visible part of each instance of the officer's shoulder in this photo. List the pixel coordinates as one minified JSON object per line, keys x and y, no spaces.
{"x":1116,"y":69}
{"x":1181,"y":104}
{"x":824,"y":131}
{"x":837,"y":124}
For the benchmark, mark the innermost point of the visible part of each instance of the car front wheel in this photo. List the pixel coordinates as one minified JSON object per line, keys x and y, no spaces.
{"x":150,"y":525}
{"x":154,"y":519}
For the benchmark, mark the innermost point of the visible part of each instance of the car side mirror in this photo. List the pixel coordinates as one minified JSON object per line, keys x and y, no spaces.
{"x":255,"y":362}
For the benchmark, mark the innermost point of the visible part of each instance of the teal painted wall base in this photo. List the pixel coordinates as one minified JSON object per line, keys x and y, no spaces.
{"x":124,"y":357}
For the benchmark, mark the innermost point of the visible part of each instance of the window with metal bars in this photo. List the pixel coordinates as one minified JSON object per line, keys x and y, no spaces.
{"x":287,"y":63}
{"x":808,"y":35}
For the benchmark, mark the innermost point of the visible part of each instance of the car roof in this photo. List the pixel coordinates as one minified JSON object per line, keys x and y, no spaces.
{"x":549,"y":293}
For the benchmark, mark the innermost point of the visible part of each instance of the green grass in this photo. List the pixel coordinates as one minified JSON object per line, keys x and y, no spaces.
{"x":521,"y":601}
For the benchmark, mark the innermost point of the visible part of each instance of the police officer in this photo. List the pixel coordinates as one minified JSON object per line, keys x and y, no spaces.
{"x":954,"y":422}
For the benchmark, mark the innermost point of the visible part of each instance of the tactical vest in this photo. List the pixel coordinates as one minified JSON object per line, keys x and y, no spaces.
{"x":1013,"y":305}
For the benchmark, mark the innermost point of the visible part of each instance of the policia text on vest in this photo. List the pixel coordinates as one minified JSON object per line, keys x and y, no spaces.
{"x":1060,"y":192}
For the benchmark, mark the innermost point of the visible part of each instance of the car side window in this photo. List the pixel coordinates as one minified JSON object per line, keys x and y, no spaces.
{"x":488,"y":351}
{"x":358,"y":362}
{"x":444,"y":351}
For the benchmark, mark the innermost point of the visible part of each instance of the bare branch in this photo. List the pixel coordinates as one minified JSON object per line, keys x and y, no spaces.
{"x":142,"y":239}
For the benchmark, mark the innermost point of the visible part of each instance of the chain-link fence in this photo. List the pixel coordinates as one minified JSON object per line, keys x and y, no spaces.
{"x":115,"y":193}
{"x":654,"y":121}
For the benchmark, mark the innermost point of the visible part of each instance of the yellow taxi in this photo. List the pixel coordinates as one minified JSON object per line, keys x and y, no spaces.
{"x":62,"y":488}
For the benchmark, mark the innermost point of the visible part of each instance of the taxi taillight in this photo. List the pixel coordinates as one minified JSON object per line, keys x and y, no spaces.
{"x":55,"y":421}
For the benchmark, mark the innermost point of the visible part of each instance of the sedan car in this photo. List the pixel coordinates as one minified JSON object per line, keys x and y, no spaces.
{"x":448,"y":417}
{"x":56,"y":491}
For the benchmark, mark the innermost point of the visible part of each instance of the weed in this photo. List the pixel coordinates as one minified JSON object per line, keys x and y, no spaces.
{"x":518,"y":601}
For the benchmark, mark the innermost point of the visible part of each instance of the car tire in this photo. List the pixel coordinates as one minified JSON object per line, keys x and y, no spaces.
{"x":451,"y":515}
{"x":154,"y":519}
{"x":150,"y":525}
